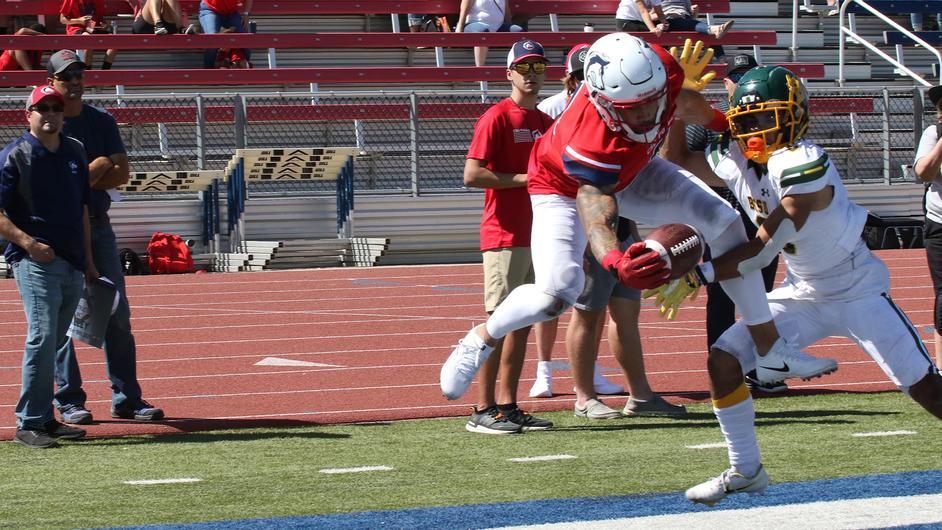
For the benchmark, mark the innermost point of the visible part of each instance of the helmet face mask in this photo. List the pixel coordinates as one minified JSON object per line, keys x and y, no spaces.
{"x":622,"y":74}
{"x":768,"y":112}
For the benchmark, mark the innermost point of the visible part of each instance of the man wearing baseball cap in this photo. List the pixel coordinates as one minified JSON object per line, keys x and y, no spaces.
{"x":575,"y":59}
{"x":44,"y":196}
{"x":107,"y":169}
{"x":736,"y":66}
{"x":497,"y":162}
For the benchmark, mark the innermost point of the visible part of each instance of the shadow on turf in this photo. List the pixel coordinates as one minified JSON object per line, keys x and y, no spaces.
{"x":195,"y":430}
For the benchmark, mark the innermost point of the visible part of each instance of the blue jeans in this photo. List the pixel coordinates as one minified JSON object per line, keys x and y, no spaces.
{"x":210,"y":22}
{"x":120,"y":351}
{"x":480,"y":27}
{"x":692,"y":24}
{"x":50,"y":293}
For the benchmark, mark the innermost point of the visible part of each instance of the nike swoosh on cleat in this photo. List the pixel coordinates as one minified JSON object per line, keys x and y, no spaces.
{"x":784,"y":368}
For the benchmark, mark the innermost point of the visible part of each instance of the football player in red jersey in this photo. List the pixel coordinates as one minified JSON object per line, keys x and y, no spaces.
{"x":598,"y":159}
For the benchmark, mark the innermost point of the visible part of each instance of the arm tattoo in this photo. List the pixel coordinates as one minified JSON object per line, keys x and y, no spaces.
{"x":599,"y":214}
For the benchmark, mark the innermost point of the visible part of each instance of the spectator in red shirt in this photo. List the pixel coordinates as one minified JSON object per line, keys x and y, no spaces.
{"x":218,"y":14}
{"x":11,"y":60}
{"x":497,"y":161}
{"x":86,"y":17}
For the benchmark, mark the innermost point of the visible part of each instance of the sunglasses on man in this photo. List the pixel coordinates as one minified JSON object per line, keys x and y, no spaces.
{"x":524,"y":68}
{"x":42,"y":108}
{"x":69,"y":75}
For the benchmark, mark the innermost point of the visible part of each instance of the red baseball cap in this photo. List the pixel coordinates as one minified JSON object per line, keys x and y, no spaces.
{"x":42,"y":92}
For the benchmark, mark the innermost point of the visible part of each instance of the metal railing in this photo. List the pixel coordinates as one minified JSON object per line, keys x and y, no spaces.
{"x":847,"y":30}
{"x":415,"y":143}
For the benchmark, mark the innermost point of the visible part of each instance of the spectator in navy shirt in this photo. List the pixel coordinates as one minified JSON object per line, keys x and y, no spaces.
{"x":43,"y":201}
{"x":107,"y":169}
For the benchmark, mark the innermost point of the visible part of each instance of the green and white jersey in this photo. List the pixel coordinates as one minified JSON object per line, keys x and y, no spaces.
{"x":830,"y":236}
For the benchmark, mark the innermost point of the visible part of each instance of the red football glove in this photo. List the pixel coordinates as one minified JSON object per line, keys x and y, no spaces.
{"x":639,"y":267}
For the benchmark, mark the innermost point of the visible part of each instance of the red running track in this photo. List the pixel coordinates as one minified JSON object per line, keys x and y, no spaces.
{"x":368,"y":344}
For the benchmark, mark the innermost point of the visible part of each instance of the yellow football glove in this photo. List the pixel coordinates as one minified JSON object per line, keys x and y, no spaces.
{"x":671,"y":295}
{"x":694,"y":59}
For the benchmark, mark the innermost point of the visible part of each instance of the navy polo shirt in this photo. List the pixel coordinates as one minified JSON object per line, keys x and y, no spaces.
{"x":44,"y":194}
{"x":98,"y":131}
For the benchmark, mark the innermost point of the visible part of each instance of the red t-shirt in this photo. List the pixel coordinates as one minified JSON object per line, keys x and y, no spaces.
{"x":581,"y":146}
{"x":8,"y":62}
{"x":81,"y":8}
{"x":503,"y":137}
{"x":223,"y":7}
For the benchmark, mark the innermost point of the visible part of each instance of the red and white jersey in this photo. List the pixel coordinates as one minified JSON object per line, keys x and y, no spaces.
{"x":579,"y":146}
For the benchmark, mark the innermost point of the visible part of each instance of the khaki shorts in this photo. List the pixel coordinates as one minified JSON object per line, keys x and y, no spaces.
{"x":504,"y":270}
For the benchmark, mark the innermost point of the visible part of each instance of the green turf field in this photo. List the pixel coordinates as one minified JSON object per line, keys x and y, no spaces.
{"x":276,"y":472}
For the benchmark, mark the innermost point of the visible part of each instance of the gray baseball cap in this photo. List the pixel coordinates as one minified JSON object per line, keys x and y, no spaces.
{"x":61,"y":60}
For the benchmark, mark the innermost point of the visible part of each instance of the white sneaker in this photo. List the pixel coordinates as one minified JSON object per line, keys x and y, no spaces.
{"x":730,"y":481}
{"x":542,"y":388}
{"x":604,"y":386}
{"x":462,"y":365}
{"x":785,"y":362}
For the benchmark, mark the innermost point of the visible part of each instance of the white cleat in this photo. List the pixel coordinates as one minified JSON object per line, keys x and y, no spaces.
{"x":785,"y":362}
{"x":729,"y":482}
{"x":462,"y":365}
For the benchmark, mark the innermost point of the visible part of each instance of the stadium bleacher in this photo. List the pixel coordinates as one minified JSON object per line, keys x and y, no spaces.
{"x":353,"y":46}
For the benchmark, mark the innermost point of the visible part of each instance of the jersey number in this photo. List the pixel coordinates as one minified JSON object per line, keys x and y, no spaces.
{"x":759,"y":206}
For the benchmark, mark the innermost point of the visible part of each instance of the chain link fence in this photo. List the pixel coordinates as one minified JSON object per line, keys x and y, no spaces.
{"x":415,"y":142}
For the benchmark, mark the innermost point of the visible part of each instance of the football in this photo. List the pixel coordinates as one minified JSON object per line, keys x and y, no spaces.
{"x":679,"y":244}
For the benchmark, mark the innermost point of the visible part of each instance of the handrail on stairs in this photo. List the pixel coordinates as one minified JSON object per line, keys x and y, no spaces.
{"x":846,"y":30}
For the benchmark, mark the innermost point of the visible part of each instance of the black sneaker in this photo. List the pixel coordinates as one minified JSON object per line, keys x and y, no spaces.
{"x":34,"y":439}
{"x":525,"y":420}
{"x":142,"y":411}
{"x":160,"y":28}
{"x":63,"y":431}
{"x":490,"y":421}
{"x":761,"y":386}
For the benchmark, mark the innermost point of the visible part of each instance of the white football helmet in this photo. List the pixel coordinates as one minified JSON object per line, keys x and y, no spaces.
{"x":622,"y":71}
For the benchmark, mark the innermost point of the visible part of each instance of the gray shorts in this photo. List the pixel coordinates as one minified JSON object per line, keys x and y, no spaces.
{"x":600,"y":285}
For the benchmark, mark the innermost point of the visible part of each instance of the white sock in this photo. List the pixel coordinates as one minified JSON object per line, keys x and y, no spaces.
{"x":738,"y":426}
{"x":524,"y":306}
{"x":544,"y":370}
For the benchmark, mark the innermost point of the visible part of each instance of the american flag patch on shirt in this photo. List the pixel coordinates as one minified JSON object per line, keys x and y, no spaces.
{"x":523,"y":136}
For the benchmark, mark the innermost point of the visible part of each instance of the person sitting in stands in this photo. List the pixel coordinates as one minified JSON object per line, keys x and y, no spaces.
{"x":12,"y":60}
{"x":86,"y":17}
{"x":682,"y":16}
{"x":159,"y":17}
{"x":218,"y":14}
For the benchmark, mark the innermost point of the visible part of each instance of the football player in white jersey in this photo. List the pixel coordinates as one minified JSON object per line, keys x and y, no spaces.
{"x":834,"y":284}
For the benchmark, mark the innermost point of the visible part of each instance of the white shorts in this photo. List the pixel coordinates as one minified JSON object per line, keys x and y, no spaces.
{"x":661,"y":193}
{"x":873,"y":321}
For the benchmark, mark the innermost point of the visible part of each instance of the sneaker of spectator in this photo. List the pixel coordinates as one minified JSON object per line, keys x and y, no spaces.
{"x":190,"y":30}
{"x":655,"y":406}
{"x":594,"y":409}
{"x":75,"y":414}
{"x":490,"y":421}
{"x":62,"y":431}
{"x":140,"y":411}
{"x":34,"y":439}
